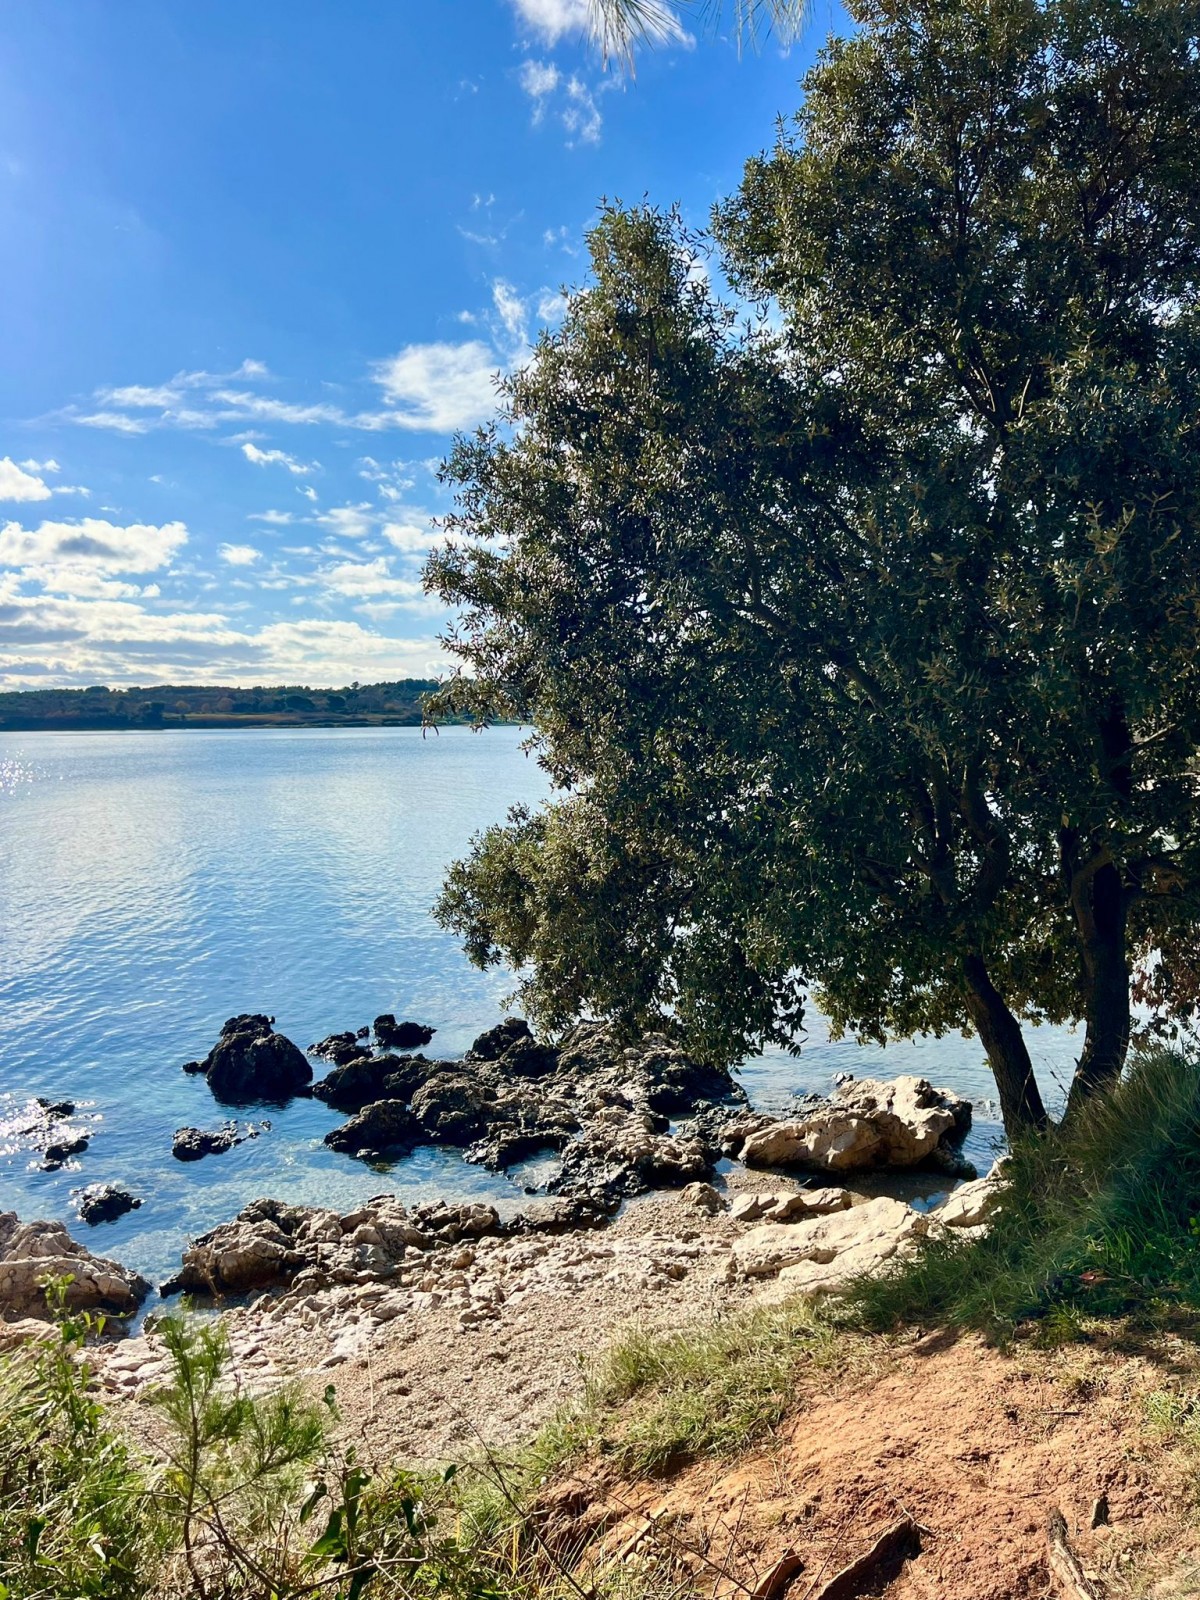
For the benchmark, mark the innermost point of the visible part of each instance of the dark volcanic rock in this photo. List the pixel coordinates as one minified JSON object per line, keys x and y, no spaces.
{"x":250,"y":1062}
{"x":387,"y":1127}
{"x":104,"y":1202}
{"x":452,"y":1106}
{"x":393,"y":1035}
{"x":526,"y":1058}
{"x":339,"y":1048}
{"x":61,"y":1151}
{"x":490,"y":1046}
{"x":623,"y":1153}
{"x":56,"y":1110}
{"x":367,"y":1078}
{"x":192,"y":1144}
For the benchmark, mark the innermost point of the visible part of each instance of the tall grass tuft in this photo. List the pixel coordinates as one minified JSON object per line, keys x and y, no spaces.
{"x":1100,"y":1219}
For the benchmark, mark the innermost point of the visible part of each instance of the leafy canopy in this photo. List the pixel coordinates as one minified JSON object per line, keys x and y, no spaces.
{"x":857,"y":618}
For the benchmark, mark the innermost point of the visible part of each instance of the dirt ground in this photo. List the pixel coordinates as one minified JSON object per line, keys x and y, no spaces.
{"x":978,"y":1448}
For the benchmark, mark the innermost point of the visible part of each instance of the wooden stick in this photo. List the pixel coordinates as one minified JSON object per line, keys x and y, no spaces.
{"x":1064,"y":1564}
{"x":892,"y":1548}
{"x":776,"y":1578}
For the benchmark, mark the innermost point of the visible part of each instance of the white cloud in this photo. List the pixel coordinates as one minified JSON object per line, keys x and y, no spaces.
{"x":277,"y":458}
{"x":41,"y":466}
{"x":92,"y":543}
{"x":539,"y":80}
{"x":365,"y":579}
{"x":238,"y":555}
{"x":349,"y":522}
{"x":18,"y":484}
{"x":440,"y":387}
{"x":115,"y":421}
{"x":510,"y":308}
{"x":410,"y":537}
{"x":553,"y":20}
{"x":307,"y":490}
{"x":277,"y":519}
{"x":582,"y":117}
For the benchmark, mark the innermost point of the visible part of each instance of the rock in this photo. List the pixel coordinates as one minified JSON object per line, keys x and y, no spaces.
{"x":271,"y":1245}
{"x":56,"y":1110}
{"x":192,"y":1144}
{"x":822,"y":1253}
{"x":490,"y":1046}
{"x":386,"y":1127}
{"x":358,"y":1082}
{"x":452,"y":1107}
{"x":868,"y":1125}
{"x":250,"y":1062}
{"x":526,"y":1058}
{"x":782,"y":1206}
{"x":623,"y":1153}
{"x":971,"y":1204}
{"x":557,"y":1214}
{"x":401,"y":1035}
{"x":59,"y":1153}
{"x":704,"y":1197}
{"x":32,"y":1252}
{"x":339,"y":1048}
{"x":104,"y":1202}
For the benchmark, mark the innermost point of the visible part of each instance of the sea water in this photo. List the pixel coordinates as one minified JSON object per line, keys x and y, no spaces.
{"x":153,"y":884}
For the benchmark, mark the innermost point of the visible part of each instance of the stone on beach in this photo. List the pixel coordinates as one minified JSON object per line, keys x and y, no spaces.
{"x":33,"y":1252}
{"x":868,"y":1125}
{"x":783,"y":1206}
{"x":823,"y":1253}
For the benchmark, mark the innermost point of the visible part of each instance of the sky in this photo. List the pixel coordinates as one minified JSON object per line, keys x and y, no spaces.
{"x":258,"y":265}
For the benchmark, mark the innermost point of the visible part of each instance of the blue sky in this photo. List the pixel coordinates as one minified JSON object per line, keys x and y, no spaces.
{"x":258,"y":262}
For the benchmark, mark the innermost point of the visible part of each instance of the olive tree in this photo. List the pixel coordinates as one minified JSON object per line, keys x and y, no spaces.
{"x":856,"y":612}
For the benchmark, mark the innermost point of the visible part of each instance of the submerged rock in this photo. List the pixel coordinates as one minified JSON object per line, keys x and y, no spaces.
{"x":393,"y":1035}
{"x":251,"y":1062}
{"x":193,"y":1144}
{"x":31,"y":1253}
{"x":104,"y":1202}
{"x":339,"y":1048}
{"x":867,"y":1126}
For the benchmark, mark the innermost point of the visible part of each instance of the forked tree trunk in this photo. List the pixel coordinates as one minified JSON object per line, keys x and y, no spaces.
{"x":1108,"y":1016}
{"x":1000,"y":1034}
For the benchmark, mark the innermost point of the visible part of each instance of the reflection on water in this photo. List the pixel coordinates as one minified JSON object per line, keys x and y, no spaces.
{"x":153,"y":884}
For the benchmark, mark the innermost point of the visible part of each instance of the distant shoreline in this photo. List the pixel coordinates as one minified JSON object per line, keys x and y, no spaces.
{"x":200,"y":723}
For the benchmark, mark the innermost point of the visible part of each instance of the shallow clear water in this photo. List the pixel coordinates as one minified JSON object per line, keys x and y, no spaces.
{"x":153,"y":884}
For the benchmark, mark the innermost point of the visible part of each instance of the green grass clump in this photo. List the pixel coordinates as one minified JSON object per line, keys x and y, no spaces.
{"x":1101,"y":1219}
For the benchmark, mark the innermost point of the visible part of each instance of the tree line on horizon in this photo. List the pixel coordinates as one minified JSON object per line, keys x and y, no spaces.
{"x":397,"y":703}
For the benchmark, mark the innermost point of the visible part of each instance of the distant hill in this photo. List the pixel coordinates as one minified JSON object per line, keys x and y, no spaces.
{"x":190,"y":706}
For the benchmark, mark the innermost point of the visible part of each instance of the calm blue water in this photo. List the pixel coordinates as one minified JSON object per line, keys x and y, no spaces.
{"x":153,"y":884}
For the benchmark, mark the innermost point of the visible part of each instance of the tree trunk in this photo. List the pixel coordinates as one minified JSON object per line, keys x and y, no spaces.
{"x":1000,"y":1034}
{"x":1101,"y":914}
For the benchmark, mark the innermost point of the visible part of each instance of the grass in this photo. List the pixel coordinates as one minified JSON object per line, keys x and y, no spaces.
{"x":1099,"y":1221}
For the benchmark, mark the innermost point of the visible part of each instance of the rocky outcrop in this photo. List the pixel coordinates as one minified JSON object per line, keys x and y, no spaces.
{"x":33,"y":1252}
{"x":386,"y":1128}
{"x":393,"y":1035}
{"x":104,"y":1202}
{"x":819,"y":1255}
{"x":624,"y":1153}
{"x":452,"y":1106}
{"x":274,"y":1245}
{"x":341,"y":1047}
{"x":251,"y":1062}
{"x":867,"y":1126}
{"x":60,"y":1151}
{"x":364,"y":1078}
